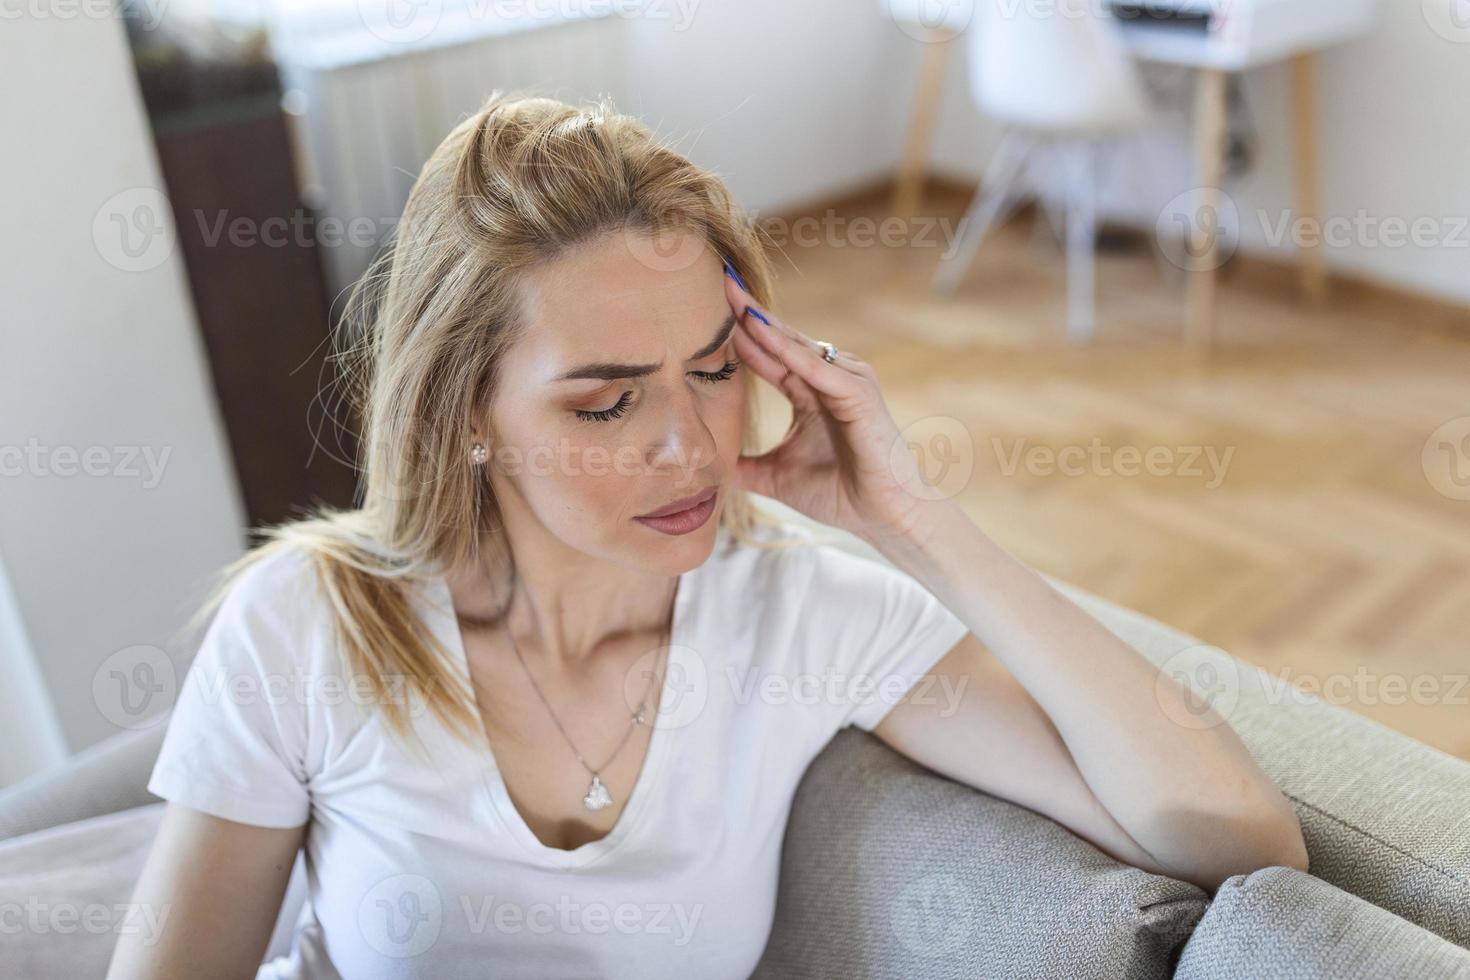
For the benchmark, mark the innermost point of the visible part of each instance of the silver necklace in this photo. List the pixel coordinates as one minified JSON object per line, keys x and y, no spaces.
{"x":597,"y":796}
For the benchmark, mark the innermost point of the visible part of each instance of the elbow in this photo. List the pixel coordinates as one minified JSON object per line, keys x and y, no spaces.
{"x":1280,"y":840}
{"x":1291,"y":852}
{"x":1268,"y":843}
{"x":1210,"y":849}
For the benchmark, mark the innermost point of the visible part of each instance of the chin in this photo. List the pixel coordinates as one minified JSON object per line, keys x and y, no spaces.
{"x":673,"y":551}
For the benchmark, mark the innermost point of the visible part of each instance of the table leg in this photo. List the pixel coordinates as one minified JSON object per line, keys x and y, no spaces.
{"x":1204,"y":244}
{"x":1311,"y":261}
{"x":910,"y":185}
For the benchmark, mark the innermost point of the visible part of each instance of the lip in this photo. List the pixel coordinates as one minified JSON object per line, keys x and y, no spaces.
{"x":683,"y":504}
{"x":687,"y":520}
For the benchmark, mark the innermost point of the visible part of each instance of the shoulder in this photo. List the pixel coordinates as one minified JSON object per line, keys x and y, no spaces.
{"x":274,"y":603}
{"x":827,"y":572}
{"x":833,"y":608}
{"x":276,"y":573}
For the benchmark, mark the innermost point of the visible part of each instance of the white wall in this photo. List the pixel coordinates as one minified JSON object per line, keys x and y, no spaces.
{"x":1395,"y":123}
{"x":1395,"y":144}
{"x":788,"y":101}
{"x":784,"y":100}
{"x":100,"y":363}
{"x":33,"y":737}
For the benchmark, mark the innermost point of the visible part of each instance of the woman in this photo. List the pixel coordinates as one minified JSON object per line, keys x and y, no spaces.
{"x":539,"y":706}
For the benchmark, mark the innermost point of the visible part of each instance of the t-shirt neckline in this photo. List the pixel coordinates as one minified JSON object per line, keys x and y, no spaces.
{"x":446,"y":628}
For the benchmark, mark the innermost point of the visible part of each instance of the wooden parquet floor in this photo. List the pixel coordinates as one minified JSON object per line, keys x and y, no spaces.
{"x":1278,"y":504}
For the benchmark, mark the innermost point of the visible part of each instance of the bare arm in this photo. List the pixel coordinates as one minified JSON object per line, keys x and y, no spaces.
{"x":1188,"y":795}
{"x":995,"y":737}
{"x":1060,"y":715}
{"x":216,"y":887}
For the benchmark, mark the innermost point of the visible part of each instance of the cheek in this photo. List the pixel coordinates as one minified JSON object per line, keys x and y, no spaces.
{"x":573,"y":485}
{"x":597,"y":472}
{"x":727,"y":421}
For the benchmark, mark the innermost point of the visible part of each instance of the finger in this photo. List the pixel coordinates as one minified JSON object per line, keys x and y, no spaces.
{"x":808,"y":364}
{"x":769,"y":367}
{"x":751,"y":340}
{"x":792,"y":347}
{"x":740,"y":301}
{"x":845,"y":390}
{"x":745,"y":304}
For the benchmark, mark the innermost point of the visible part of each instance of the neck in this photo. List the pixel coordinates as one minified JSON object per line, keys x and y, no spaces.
{"x":562,"y":604}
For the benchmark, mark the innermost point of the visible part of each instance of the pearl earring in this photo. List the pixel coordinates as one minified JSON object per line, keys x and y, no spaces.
{"x":479,"y":453}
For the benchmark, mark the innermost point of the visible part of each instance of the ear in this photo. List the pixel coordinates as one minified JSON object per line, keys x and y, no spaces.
{"x":482,"y":418}
{"x":480,"y":429}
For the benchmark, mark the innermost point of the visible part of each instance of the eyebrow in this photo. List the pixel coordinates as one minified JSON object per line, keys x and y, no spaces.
{"x":612,"y":371}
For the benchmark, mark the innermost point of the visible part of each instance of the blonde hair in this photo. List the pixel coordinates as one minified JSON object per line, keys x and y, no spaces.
{"x":516,"y":184}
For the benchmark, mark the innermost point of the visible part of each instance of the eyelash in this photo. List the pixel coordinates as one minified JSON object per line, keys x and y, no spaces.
{"x":621,"y":408}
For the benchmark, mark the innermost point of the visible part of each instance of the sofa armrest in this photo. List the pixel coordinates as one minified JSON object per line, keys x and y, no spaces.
{"x":1278,"y":922}
{"x":1386,"y":817}
{"x":891,"y":870}
{"x":105,"y":778}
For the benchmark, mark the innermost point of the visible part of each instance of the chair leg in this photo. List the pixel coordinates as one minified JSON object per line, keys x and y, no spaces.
{"x":1081,"y":243}
{"x":991,"y":203}
{"x":1052,"y":198}
{"x":1142,"y":163}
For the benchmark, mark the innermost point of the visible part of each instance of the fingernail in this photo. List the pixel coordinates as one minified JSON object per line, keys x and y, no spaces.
{"x":730,"y":271}
{"x":755,"y":312}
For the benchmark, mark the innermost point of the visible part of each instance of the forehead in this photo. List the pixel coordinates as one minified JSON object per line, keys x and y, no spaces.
{"x":625,"y":295}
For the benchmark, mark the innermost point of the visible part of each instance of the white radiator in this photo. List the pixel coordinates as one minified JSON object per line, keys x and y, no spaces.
{"x":365,"y":118}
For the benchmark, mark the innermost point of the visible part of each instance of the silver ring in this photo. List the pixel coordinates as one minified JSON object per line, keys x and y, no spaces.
{"x":829,"y":352}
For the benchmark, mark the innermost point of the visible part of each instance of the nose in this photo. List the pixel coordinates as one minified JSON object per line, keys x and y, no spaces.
{"x":684,"y":443}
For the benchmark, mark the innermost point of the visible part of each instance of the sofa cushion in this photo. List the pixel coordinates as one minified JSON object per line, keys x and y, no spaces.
{"x":1279,"y":922}
{"x":891,"y":870}
{"x":67,"y":890}
{"x":66,"y":894}
{"x":1385,"y":816}
{"x":103,"y":778}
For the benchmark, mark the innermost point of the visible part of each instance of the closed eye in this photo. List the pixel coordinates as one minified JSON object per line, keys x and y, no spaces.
{"x":723,"y":374}
{"x":620,"y":408}
{"x":608,"y":413}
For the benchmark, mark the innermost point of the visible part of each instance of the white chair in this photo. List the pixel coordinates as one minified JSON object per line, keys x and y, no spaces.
{"x":1060,"y":81}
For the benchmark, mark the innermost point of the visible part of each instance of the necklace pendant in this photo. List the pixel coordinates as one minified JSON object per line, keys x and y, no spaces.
{"x":597,"y":795}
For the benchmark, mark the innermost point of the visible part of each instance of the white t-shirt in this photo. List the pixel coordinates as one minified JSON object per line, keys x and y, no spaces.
{"x":418,"y":870}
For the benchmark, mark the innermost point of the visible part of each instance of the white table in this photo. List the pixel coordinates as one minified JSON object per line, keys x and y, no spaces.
{"x":1230,"y":36}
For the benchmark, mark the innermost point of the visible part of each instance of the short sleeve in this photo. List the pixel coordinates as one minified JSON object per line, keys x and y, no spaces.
{"x":235,"y":746}
{"x":879,"y":629}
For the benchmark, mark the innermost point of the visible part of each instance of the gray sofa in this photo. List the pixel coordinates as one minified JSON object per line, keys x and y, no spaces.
{"x":890,"y":870}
